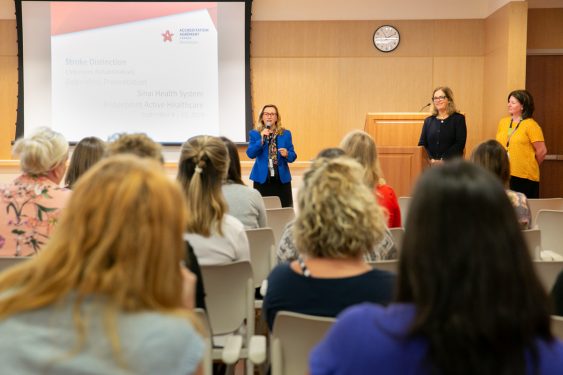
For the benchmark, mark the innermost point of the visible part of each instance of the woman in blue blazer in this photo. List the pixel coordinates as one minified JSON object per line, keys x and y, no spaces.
{"x":272,"y":147}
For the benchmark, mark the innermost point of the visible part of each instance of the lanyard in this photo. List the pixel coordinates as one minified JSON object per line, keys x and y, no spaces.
{"x":511,"y":133}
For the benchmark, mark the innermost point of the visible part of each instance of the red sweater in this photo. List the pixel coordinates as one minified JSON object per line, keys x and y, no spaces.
{"x":388,"y":201}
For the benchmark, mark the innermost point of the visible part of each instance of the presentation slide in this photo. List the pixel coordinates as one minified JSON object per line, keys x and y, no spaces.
{"x":171,"y":70}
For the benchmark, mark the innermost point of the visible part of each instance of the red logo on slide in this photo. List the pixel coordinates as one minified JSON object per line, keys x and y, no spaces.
{"x":167,"y":36}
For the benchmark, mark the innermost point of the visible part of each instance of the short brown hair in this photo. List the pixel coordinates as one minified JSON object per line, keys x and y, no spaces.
{"x":492,"y":156}
{"x":138,"y":144}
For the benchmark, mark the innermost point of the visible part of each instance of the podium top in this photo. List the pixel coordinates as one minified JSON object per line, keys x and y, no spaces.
{"x":395,"y":128}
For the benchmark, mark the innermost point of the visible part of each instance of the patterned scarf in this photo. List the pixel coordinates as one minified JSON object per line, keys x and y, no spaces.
{"x":273,"y":149}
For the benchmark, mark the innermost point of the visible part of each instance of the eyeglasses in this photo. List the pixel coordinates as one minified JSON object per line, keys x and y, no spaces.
{"x":436,"y":98}
{"x":269,"y":114}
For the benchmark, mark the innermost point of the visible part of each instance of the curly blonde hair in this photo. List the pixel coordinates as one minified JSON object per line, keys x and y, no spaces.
{"x":41,"y":152}
{"x":138,"y":144}
{"x":338,"y":216}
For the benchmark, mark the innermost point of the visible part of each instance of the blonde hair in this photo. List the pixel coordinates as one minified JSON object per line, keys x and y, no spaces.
{"x":202,"y":169}
{"x":338,"y":216}
{"x":450,"y":108}
{"x":120,"y":238}
{"x":360,"y":146}
{"x":138,"y":144}
{"x":41,"y":152}
{"x":260,"y":123}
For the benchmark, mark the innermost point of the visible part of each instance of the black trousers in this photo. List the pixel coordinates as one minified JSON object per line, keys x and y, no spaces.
{"x":274,"y":188}
{"x":531,"y":189}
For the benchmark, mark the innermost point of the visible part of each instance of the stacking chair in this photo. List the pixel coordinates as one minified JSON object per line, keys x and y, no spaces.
{"x":293,"y":337}
{"x":557,"y":326}
{"x":262,"y":255}
{"x":550,"y":222}
{"x":7,"y":262}
{"x":543,"y":204}
{"x":278,"y":218}
{"x":533,"y":241}
{"x":398,"y":235}
{"x":547,"y":271}
{"x":230,"y":302}
{"x":386,"y":265}
{"x":272,"y":202}
{"x":404,"y":203}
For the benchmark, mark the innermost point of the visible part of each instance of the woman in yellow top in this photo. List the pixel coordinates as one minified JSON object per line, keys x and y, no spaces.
{"x":523,"y":140}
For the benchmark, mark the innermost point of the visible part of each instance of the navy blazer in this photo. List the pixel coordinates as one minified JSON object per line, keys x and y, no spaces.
{"x":259,"y":151}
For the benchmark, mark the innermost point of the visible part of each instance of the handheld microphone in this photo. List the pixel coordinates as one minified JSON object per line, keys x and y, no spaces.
{"x":267,"y":137}
{"x":420,"y":110}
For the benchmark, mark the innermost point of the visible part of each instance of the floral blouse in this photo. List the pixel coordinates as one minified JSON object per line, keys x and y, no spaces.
{"x":29,"y":209}
{"x":520,"y":204}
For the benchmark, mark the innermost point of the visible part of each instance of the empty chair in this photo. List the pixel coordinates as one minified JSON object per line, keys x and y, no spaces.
{"x":262,"y":253}
{"x":230,"y":302}
{"x":404,"y":203}
{"x":547,"y":272}
{"x":398,"y":234}
{"x":7,"y":262}
{"x":550,"y":222}
{"x":544,"y":204}
{"x":533,"y":240}
{"x":272,"y":202}
{"x":557,"y":326}
{"x":278,"y":218}
{"x":386,"y":265}
{"x":293,"y":337}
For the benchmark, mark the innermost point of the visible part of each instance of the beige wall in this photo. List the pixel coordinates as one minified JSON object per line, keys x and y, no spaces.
{"x":505,"y":62}
{"x":8,"y":85}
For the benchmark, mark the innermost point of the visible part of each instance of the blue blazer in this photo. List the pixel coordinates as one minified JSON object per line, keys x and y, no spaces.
{"x":259,"y":151}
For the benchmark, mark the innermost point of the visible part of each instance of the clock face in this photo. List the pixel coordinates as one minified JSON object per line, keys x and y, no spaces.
{"x":386,"y":38}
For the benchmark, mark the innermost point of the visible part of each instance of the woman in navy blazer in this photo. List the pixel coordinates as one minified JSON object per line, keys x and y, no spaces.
{"x":272,"y":147}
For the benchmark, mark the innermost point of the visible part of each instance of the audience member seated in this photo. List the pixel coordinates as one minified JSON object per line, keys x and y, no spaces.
{"x":245,"y":203}
{"x":32,"y":203}
{"x":143,"y":146}
{"x":216,"y":237}
{"x":492,"y":156}
{"x":108,"y":294}
{"x":86,"y":153}
{"x":138,"y":144}
{"x":287,"y":252}
{"x":338,"y":222}
{"x":468,"y":300}
{"x":360,"y":146}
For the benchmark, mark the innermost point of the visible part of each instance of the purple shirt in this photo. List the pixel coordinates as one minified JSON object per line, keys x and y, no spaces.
{"x":368,"y":339}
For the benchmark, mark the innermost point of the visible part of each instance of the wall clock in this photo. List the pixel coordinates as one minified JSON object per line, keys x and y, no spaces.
{"x":386,"y":38}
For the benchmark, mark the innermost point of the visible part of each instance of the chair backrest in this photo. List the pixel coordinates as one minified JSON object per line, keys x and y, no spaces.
{"x":533,"y":241}
{"x":7,"y":262}
{"x":543,"y":204}
{"x":404,"y":203}
{"x":207,"y":362}
{"x":547,"y":271}
{"x":293,"y":337}
{"x":262,"y":253}
{"x":229,"y":296}
{"x":386,"y":265}
{"x":278,"y":218}
{"x":557,"y":326}
{"x":398,"y":235}
{"x":550,"y":222}
{"x":272,"y":202}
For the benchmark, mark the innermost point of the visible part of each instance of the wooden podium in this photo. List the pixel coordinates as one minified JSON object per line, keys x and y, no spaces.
{"x":396,"y":135}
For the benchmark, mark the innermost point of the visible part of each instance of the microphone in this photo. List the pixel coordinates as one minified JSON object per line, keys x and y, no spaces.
{"x":266,"y":137}
{"x":420,"y":110}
